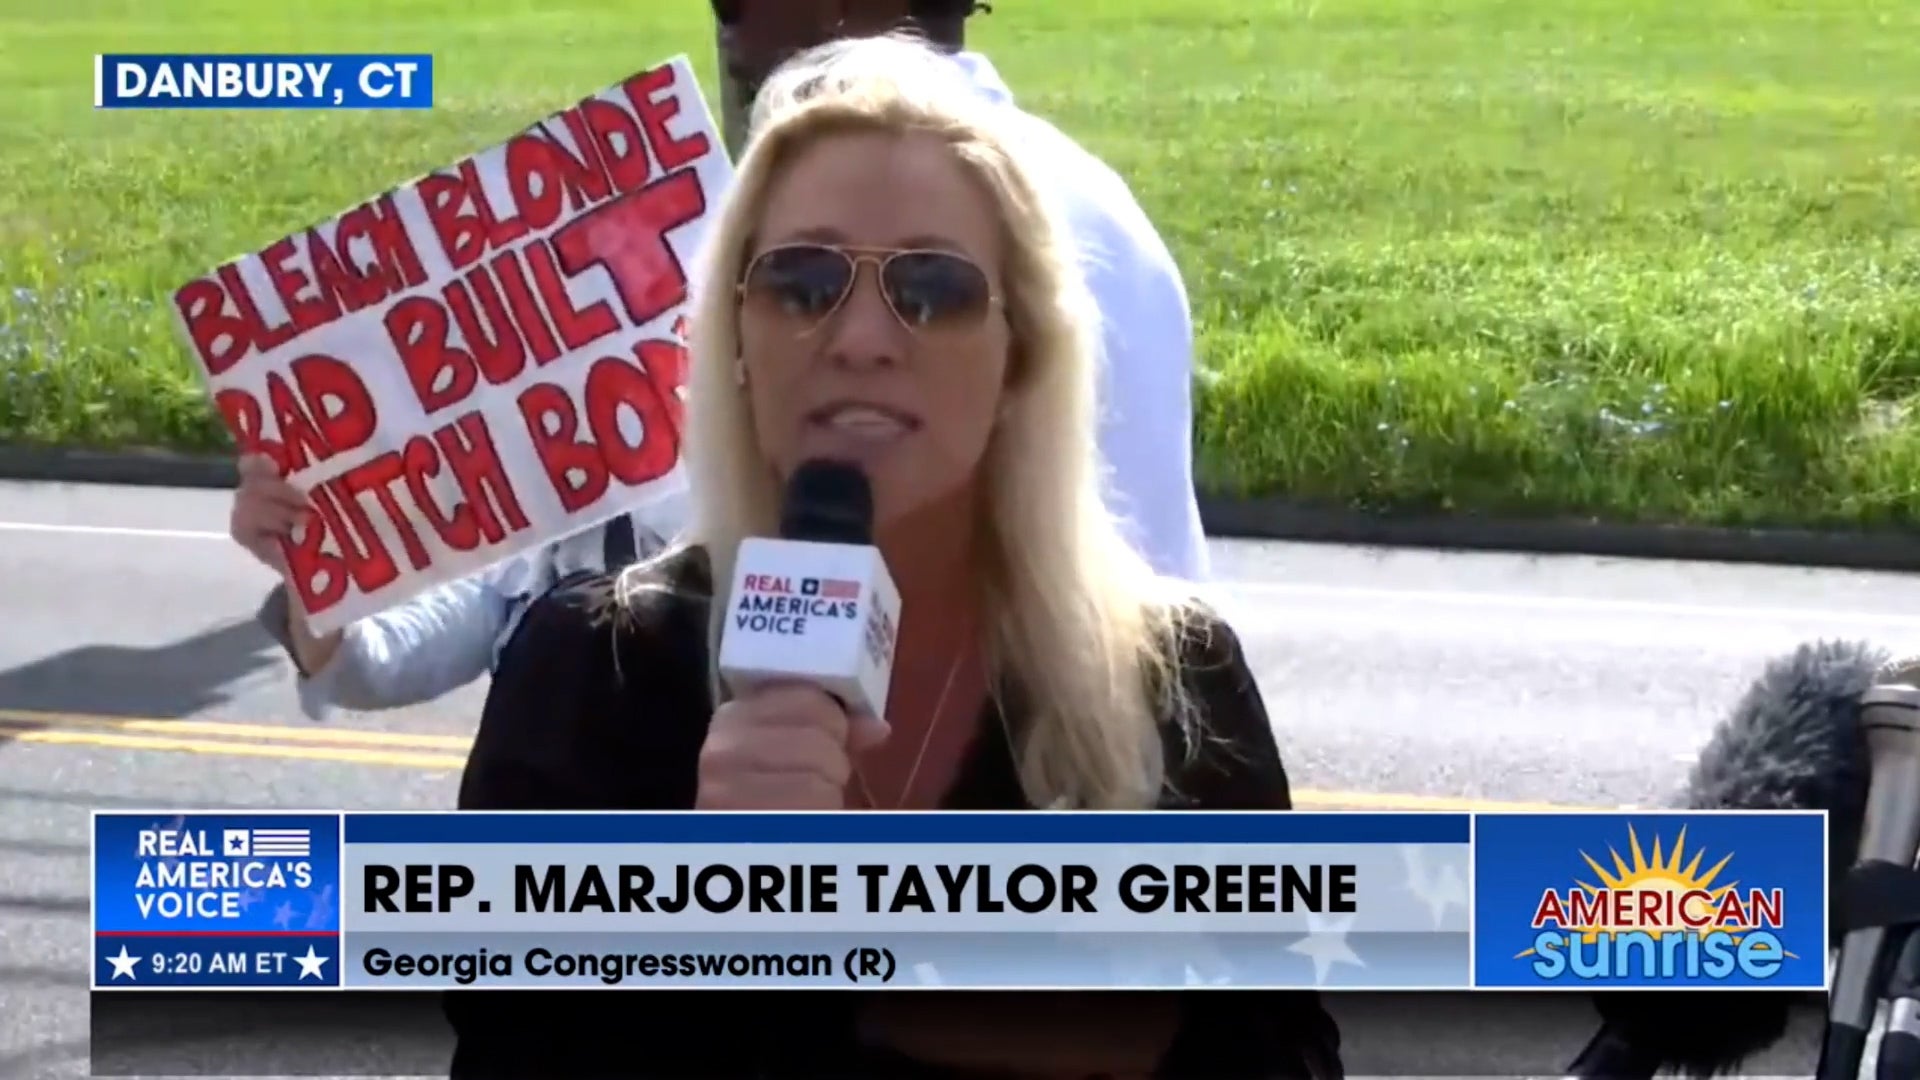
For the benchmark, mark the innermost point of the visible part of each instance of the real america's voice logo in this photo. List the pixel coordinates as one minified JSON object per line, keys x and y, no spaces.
{"x":780,"y":604}
{"x":183,"y":875}
{"x":216,"y":900}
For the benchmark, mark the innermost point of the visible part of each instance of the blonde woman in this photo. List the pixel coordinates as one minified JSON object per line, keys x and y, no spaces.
{"x":885,"y":287}
{"x":1145,"y":425}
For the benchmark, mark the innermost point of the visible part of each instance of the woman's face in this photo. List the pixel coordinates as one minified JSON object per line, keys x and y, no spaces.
{"x":870,"y":325}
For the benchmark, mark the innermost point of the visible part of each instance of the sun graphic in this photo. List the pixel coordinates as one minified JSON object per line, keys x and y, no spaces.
{"x":1660,"y":872}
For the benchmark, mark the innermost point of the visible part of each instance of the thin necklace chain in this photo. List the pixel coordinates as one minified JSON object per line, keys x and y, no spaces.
{"x":926,"y":740}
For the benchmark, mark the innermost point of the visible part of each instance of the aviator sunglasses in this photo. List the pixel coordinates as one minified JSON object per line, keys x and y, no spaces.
{"x":928,"y":291}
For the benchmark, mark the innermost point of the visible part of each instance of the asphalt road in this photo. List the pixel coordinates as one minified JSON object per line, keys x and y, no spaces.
{"x":130,"y":675}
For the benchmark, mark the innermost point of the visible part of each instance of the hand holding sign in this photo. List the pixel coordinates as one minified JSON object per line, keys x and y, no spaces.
{"x":472,"y":365}
{"x":266,"y":511}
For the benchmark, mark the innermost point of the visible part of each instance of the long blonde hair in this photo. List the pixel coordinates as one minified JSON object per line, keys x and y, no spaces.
{"x":1075,"y":617}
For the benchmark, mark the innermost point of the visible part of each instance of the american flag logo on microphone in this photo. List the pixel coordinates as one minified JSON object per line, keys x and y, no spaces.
{"x":830,"y":588}
{"x":267,"y":843}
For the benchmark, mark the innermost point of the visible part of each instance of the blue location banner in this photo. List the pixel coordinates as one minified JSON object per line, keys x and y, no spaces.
{"x":216,"y":900}
{"x":1684,"y":900}
{"x":263,"y":81}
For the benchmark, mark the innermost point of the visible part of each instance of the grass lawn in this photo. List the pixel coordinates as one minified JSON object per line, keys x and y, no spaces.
{"x":1628,"y":258}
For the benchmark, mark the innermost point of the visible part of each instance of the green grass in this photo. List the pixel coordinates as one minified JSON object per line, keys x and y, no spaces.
{"x":1632,"y":259}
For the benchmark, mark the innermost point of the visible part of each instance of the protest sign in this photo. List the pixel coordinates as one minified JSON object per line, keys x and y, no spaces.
{"x":479,"y":362}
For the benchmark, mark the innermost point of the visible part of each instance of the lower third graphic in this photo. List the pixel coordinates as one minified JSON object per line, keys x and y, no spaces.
{"x":216,"y":901}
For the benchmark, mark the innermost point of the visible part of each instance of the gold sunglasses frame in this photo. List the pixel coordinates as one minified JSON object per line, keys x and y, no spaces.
{"x":860,"y":257}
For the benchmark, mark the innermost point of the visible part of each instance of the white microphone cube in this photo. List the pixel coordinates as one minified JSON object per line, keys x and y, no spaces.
{"x":825,"y":614}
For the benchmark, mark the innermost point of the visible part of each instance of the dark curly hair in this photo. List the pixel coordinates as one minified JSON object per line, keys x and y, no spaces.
{"x":949,"y":9}
{"x":727,"y":12}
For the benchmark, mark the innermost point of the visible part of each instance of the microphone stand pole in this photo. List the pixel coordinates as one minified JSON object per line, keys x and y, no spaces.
{"x":1900,"y":1046}
{"x":1890,"y":718}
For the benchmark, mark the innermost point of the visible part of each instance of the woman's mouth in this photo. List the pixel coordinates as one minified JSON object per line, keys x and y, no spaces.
{"x":864,"y":423}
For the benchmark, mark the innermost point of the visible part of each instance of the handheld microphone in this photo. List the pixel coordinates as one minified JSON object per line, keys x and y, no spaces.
{"x":1890,"y":719}
{"x":816,"y":605}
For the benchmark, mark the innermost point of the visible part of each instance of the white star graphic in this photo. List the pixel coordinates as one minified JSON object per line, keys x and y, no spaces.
{"x":311,"y":964}
{"x":123,"y":964}
{"x":1438,"y":891}
{"x":178,"y":824}
{"x":928,"y":974}
{"x":322,"y":908}
{"x":1194,"y":978}
{"x":1202,"y":962}
{"x":1326,"y":944}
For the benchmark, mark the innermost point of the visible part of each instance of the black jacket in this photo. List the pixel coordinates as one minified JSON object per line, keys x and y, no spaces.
{"x":590,"y":714}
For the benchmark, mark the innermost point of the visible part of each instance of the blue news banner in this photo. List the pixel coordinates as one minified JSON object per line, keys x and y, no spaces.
{"x":1340,"y":901}
{"x":263,"y":81}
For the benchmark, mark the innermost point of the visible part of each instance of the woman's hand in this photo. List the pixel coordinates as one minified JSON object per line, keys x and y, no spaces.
{"x":785,"y":747}
{"x":266,"y":510}
{"x":1038,"y":1036}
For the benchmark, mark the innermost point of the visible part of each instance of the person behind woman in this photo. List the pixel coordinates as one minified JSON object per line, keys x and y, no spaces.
{"x":440,"y":640}
{"x":886,"y":287}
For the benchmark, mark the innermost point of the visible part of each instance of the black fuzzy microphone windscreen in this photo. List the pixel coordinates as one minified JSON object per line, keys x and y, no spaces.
{"x":1792,"y":742}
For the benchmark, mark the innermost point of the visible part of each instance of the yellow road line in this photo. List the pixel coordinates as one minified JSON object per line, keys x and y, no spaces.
{"x":48,"y":736}
{"x":410,"y":751}
{"x":222,"y":729}
{"x":1309,"y":798}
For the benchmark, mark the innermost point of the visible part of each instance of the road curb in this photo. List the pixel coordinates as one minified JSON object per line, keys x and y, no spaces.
{"x":1265,"y":519}
{"x":1281,"y":520}
{"x":142,"y":468}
